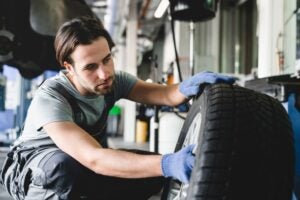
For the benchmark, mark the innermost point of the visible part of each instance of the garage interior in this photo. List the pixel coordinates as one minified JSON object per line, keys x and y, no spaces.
{"x":161,"y":41}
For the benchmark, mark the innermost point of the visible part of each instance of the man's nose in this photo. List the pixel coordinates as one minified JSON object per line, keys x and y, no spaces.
{"x":102,"y":73}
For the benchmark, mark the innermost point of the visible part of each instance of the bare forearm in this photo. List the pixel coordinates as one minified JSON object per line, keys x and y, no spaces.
{"x":156,"y":94}
{"x":81,"y":146}
{"x":125,"y":164}
{"x":167,"y":95}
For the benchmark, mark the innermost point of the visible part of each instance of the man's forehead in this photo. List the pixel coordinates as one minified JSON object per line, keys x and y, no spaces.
{"x":98,"y":49}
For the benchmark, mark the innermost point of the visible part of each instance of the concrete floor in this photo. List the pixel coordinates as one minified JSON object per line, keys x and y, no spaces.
{"x":114,"y":142}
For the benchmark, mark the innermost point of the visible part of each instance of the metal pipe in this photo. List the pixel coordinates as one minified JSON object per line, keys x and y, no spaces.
{"x":192,"y":55}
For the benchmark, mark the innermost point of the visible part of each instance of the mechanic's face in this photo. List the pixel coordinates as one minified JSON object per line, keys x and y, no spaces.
{"x":93,"y":69}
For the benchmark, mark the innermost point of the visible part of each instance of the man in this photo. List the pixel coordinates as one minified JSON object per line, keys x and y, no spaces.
{"x":60,"y":155}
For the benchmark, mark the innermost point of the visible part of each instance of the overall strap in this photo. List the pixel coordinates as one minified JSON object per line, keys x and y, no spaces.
{"x":77,"y":112}
{"x":79,"y":116}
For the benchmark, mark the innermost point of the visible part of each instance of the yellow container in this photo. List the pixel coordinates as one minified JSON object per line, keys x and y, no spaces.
{"x":141,"y":131}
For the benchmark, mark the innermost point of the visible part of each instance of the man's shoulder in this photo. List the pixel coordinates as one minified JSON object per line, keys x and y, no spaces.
{"x":124,"y":75}
{"x":120,"y":73}
{"x":55,"y":83}
{"x":52,"y":88}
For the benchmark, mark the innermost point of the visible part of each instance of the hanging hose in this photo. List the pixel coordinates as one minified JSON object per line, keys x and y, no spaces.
{"x":177,"y":57}
{"x":175,"y":48}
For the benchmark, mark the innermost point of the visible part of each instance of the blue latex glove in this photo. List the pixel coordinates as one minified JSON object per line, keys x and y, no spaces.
{"x":191,"y":86}
{"x":179,"y":165}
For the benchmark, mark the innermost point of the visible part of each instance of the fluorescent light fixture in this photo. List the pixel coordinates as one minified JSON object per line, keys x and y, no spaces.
{"x":161,"y":8}
{"x":100,"y":4}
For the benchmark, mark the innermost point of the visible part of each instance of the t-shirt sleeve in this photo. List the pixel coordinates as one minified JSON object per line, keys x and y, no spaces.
{"x":124,"y":84}
{"x":49,"y":107}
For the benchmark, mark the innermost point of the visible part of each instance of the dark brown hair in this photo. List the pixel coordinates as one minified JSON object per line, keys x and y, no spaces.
{"x":82,"y":30}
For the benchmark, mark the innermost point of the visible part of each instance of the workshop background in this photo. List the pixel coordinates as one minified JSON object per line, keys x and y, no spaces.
{"x":257,"y":41}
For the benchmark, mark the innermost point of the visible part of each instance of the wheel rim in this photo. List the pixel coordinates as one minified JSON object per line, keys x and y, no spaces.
{"x":178,"y":191}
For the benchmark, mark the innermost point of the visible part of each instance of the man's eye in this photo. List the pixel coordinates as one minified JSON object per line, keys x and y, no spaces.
{"x":91,"y":66}
{"x":106,"y":60}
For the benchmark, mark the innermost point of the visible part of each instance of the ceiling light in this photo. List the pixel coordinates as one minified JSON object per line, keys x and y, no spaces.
{"x":100,"y":4}
{"x":161,"y":9}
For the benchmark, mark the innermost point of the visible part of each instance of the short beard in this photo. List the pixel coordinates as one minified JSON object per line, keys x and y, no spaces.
{"x":108,"y":90}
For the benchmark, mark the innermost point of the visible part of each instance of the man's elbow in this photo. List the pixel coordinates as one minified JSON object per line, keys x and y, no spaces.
{"x":94,"y":166}
{"x":97,"y":165}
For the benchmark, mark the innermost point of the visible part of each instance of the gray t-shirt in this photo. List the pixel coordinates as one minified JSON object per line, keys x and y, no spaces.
{"x":51,"y":105}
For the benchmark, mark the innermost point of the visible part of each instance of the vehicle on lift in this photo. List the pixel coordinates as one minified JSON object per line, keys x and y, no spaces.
{"x":27,"y":31}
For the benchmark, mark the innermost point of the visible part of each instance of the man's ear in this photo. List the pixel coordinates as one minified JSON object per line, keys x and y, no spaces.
{"x":68,"y":67}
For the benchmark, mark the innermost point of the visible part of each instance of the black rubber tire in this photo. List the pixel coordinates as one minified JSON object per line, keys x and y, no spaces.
{"x":245,"y":146}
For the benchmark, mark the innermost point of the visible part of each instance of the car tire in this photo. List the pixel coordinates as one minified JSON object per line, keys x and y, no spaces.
{"x":245,"y":147}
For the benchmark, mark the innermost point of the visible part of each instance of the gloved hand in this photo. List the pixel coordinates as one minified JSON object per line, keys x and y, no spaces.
{"x":191,"y":86}
{"x":179,"y":165}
